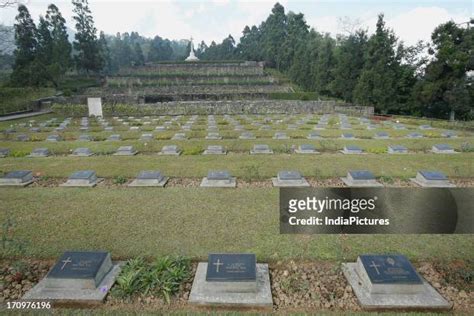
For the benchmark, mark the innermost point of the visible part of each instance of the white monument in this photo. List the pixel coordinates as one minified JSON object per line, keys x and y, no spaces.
{"x":191,"y":56}
{"x":95,"y":106}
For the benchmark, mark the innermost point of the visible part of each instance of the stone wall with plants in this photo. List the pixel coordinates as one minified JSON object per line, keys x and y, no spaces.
{"x":218,"y":108}
{"x":206,"y":69}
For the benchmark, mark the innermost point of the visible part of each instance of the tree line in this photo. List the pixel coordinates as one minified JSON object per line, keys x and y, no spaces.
{"x":376,"y":69}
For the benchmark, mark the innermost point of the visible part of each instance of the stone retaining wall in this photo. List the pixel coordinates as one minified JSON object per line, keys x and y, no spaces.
{"x":200,"y":69}
{"x":235,"y":107}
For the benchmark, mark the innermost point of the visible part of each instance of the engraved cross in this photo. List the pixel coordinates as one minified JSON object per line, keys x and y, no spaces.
{"x":65,"y":262}
{"x":375,"y":266}
{"x":217,"y":264}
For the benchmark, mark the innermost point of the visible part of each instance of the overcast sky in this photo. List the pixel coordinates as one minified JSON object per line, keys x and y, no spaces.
{"x":215,"y":19}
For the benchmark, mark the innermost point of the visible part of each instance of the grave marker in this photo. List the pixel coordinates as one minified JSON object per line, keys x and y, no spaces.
{"x":83,"y":178}
{"x":170,"y":150}
{"x":219,"y":179}
{"x":4,"y":152}
{"x":289,"y":179}
{"x":17,"y":178}
{"x":360,"y":178}
{"x":306,"y":149}
{"x":149,"y":178}
{"x":214,"y":150}
{"x":433,"y":179}
{"x":95,"y":106}
{"x":39,"y":153}
{"x":397,"y":149}
{"x":261,"y":149}
{"x":82,"y":152}
{"x":126,"y":151}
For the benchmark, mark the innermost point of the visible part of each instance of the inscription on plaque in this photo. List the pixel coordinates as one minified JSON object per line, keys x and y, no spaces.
{"x":231,"y":267}
{"x":387,"y":269}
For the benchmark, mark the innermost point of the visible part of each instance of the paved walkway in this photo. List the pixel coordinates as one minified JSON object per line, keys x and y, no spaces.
{"x":23,"y":115}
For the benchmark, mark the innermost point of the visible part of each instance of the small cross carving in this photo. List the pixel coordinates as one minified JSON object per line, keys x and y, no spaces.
{"x":375,"y":266}
{"x":217,"y":264}
{"x":65,"y":262}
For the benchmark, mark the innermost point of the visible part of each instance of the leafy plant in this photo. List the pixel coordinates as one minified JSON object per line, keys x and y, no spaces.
{"x":377,"y":150}
{"x":161,"y":277}
{"x":251,"y":172}
{"x":120,"y":180}
{"x":192,"y":151}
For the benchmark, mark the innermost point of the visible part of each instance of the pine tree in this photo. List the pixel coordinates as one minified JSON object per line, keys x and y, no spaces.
{"x":25,"y":39}
{"x":138,"y":58}
{"x":88,"y":57}
{"x":61,"y":47}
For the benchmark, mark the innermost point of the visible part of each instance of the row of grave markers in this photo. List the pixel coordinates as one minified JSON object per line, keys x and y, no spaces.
{"x":223,"y":179}
{"x":238,"y":280}
{"x":174,"y":150}
{"x":217,"y":136}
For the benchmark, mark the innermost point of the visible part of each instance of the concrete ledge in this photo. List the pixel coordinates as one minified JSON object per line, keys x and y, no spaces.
{"x":305,"y":152}
{"x":205,"y":183}
{"x":350,"y":153}
{"x":170,"y":154}
{"x":82,"y":155}
{"x":206,"y":152}
{"x":433,"y":185}
{"x":429,"y":299}
{"x":126,"y":154}
{"x":204,"y":294}
{"x":24,"y":184}
{"x":290,"y":183}
{"x":76,"y":297}
{"x":361,"y":183}
{"x":86,"y":185}
{"x":269,"y":152}
{"x":162,"y":183}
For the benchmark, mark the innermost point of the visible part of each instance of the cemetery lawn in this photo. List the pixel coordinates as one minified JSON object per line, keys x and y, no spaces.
{"x":188,"y":221}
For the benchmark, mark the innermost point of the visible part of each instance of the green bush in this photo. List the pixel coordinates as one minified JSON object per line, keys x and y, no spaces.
{"x":192,"y":151}
{"x":161,"y":277}
{"x":120,"y":180}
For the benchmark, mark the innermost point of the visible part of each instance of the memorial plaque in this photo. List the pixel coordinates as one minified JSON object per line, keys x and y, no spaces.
{"x":289,"y":175}
{"x":218,"y":175}
{"x":83,"y":175}
{"x":414,"y":135}
{"x":214,"y":150}
{"x":361,"y":175}
{"x":150,"y":175}
{"x":4,"y":152}
{"x":231,"y":268}
{"x":82,"y":152}
{"x":53,"y":138}
{"x":261,"y":147}
{"x":125,"y":151}
{"x":398,"y":149}
{"x":307,"y":147}
{"x":40,"y":152}
{"x":347,"y":135}
{"x":114,"y":137}
{"x":95,"y":106}
{"x":381,"y":135}
{"x":389,"y":269}
{"x":433,"y":175}
{"x":85,"y":138}
{"x":443,"y":147}
{"x":352,"y":149}
{"x":170,"y":150}
{"x":22,"y":138}
{"x":146,"y":137}
{"x":19,"y":176}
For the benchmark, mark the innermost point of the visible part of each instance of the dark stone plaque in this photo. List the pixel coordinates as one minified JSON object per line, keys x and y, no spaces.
{"x":443,"y":147}
{"x":83,"y":175}
{"x":261,"y":147}
{"x":398,"y":148}
{"x":218,"y":175}
{"x":307,"y":147}
{"x":24,"y":175}
{"x":347,"y":135}
{"x":231,"y":267}
{"x":78,"y":265}
{"x":150,"y":175}
{"x":361,"y":175}
{"x":382,"y":134}
{"x":289,"y":175}
{"x":353,"y":148}
{"x":386,"y":269}
{"x":433,"y":175}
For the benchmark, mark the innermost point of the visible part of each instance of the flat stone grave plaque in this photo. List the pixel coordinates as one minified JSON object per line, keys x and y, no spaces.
{"x":82,"y":152}
{"x":425,"y":127}
{"x":78,"y":277}
{"x":399,"y":126}
{"x":39,"y":152}
{"x":146,"y":137}
{"x":17,"y":178}
{"x":265,"y":128}
{"x":314,"y":135}
{"x":35,"y":129}
{"x":431,"y":178}
{"x":415,"y":135}
{"x":109,"y":128}
{"x":22,"y":138}
{"x":53,"y":138}
{"x":306,"y":149}
{"x":247,"y":135}
{"x":261,"y":149}
{"x":219,"y":179}
{"x":179,"y":136}
{"x":442,"y":149}
{"x":160,"y":128}
{"x":83,"y":178}
{"x":170,"y":150}
{"x":347,"y":136}
{"x":126,"y":151}
{"x":382,"y":135}
{"x":214,"y":150}
{"x":292,"y":127}
{"x":149,"y":178}
{"x":213,"y":136}
{"x":232,"y":268}
{"x":449,"y":134}
{"x":4,"y":152}
{"x":280,"y":136}
{"x":289,"y":178}
{"x":352,"y":149}
{"x":218,"y":175}
{"x":84,"y":138}
{"x":391,"y":282}
{"x":360,"y":178}
{"x":134,"y":128}
{"x":397,"y":149}
{"x":114,"y":137}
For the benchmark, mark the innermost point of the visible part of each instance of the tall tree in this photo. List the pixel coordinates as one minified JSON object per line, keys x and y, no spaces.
{"x":377,"y":82}
{"x":26,"y":44}
{"x":274,"y":31}
{"x":349,"y":55}
{"x":88,"y":57}
{"x":447,"y":89}
{"x":61,"y":47}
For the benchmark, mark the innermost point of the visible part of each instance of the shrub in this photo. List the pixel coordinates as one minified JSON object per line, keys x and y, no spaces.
{"x":192,"y":151}
{"x":161,"y":277}
{"x":120,"y":180}
{"x":19,"y":154}
{"x":467,"y":148}
{"x":377,"y":150}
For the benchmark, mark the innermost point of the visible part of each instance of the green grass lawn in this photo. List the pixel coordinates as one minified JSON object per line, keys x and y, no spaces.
{"x":191,"y":222}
